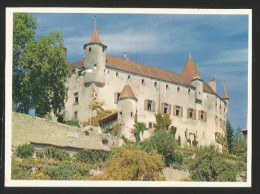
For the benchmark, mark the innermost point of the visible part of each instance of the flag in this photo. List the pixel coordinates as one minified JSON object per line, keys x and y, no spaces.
{"x":94,"y":94}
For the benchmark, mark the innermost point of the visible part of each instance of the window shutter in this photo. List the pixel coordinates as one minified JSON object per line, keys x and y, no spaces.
{"x":153,"y":106}
{"x":205,"y":116}
{"x":169,"y":108}
{"x":145,"y":104}
{"x":194,"y":114}
{"x":174,"y":110}
{"x":199,"y":117}
{"x":188,"y":110}
{"x":162,"y":107}
{"x":181,"y":111}
{"x":115,"y":98}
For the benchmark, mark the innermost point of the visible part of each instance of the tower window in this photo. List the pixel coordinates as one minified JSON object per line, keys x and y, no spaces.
{"x":76,"y":98}
{"x":116,"y":74}
{"x":155,"y":84}
{"x":178,"y":89}
{"x":142,"y":81}
{"x":116,"y":97}
{"x":89,"y":49}
{"x":149,"y":105}
{"x":129,"y":76}
{"x":203,"y":115}
{"x":188,"y":91}
{"x":191,"y":113}
{"x":120,"y":113}
{"x":131,"y":114}
{"x":150,"y":125}
{"x":167,"y":86}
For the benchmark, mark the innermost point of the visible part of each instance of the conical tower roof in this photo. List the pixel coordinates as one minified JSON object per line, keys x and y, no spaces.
{"x":225,"y":95}
{"x":95,"y":37}
{"x":127,"y":92}
{"x":190,"y":70}
{"x":197,"y":76}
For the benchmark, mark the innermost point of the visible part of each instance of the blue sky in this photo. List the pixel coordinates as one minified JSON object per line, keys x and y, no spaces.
{"x":218,"y":44}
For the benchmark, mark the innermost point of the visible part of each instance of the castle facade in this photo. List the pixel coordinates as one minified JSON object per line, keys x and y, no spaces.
{"x":137,"y":91}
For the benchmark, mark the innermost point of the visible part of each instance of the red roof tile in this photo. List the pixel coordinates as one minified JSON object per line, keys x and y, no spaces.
{"x":127,"y":93}
{"x":190,"y":70}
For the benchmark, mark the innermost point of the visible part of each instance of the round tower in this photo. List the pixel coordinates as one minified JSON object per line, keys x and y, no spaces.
{"x":95,"y":60}
{"x":127,"y":103}
{"x":197,"y":82}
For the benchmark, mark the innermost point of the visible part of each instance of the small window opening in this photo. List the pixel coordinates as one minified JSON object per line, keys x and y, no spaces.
{"x":89,"y":49}
{"x":116,"y":74}
{"x":202,"y":115}
{"x":149,"y":105}
{"x":178,"y":89}
{"x":166,"y":86}
{"x":120,"y":113}
{"x":165,"y":108}
{"x":131,"y":114}
{"x":142,"y":81}
{"x":191,"y":113}
{"x":76,"y":98}
{"x":129,"y":76}
{"x":150,"y":125}
{"x":178,"y":108}
{"x":188,"y":91}
{"x":75,"y":115}
{"x":155,"y":84}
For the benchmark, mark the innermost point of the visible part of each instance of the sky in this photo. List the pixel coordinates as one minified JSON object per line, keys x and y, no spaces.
{"x":218,"y":44}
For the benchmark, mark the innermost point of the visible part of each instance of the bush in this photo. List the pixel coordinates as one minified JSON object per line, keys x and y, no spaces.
{"x":56,"y":153}
{"x":239,"y":147}
{"x":25,"y":151}
{"x":104,"y":140}
{"x":70,"y":171}
{"x":139,"y":128}
{"x":165,"y":144}
{"x":130,"y":164}
{"x":73,"y":123}
{"x":209,"y":165}
{"x":86,"y":133}
{"x":163,"y":121}
{"x":92,"y":156}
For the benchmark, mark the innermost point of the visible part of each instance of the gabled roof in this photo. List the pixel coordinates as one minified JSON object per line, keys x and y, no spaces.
{"x":125,"y":65}
{"x":127,"y":93}
{"x":190,"y":70}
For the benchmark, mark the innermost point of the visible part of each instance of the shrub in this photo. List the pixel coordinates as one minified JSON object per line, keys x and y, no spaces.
{"x":239,"y":147}
{"x":56,"y":153}
{"x":69,"y":171}
{"x":25,"y":151}
{"x":208,"y":165}
{"x":104,"y":140}
{"x":139,"y":128}
{"x":165,"y":144}
{"x":92,"y":156}
{"x":86,"y":132}
{"x":163,"y":121}
{"x":130,"y":164}
{"x":73,"y":123}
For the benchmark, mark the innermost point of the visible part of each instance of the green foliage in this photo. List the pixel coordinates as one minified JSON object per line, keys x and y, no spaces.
{"x":67,"y":171}
{"x":239,"y":147}
{"x":163,"y":121}
{"x":132,"y":164}
{"x":92,"y":156}
{"x":73,"y":123}
{"x":56,"y":153}
{"x":209,"y":165}
{"x":25,"y":151}
{"x":139,"y":128}
{"x":229,"y":134}
{"x":38,"y":64}
{"x":104,"y":140}
{"x":164,"y":143}
{"x":173,"y":130}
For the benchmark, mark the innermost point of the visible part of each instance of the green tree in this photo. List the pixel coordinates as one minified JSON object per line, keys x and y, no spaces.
{"x":25,"y":151}
{"x":209,"y":165}
{"x":40,"y":71}
{"x":229,"y":134}
{"x":139,"y":128}
{"x":163,"y":121}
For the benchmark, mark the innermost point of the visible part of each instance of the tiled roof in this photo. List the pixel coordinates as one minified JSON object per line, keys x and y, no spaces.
{"x":110,"y":116}
{"x":148,"y":71}
{"x":127,"y":92}
{"x":95,"y":37}
{"x":190,"y":70}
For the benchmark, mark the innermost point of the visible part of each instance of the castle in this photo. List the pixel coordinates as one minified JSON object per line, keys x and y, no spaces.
{"x":137,"y":91}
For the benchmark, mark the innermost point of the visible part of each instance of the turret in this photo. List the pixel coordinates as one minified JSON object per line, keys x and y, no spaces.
{"x":225,"y":97}
{"x":95,"y":60}
{"x":212,"y":83}
{"x":127,"y":112}
{"x":197,"y":82}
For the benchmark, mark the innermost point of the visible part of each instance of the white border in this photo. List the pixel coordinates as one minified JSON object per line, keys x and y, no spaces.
{"x":8,"y":102}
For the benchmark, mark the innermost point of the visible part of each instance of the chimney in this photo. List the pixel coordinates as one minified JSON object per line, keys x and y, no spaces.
{"x":213,"y":85}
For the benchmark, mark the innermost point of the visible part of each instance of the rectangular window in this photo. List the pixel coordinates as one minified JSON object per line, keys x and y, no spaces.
{"x":75,"y":115}
{"x":149,"y":105}
{"x":76,"y":98}
{"x":178,"y":111}
{"x":202,"y":116}
{"x":150,"y":125}
{"x":116,"y":96}
{"x":166,"y":108}
{"x":191,"y":113}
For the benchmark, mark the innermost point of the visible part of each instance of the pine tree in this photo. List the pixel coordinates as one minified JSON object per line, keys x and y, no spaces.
{"x":230,"y":135}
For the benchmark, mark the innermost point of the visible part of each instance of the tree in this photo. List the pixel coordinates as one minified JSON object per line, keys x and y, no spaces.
{"x":139,"y":128}
{"x":209,"y":165}
{"x":23,"y":33}
{"x":229,"y":134}
{"x":40,"y":69}
{"x":163,"y":121}
{"x":133,"y":164}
